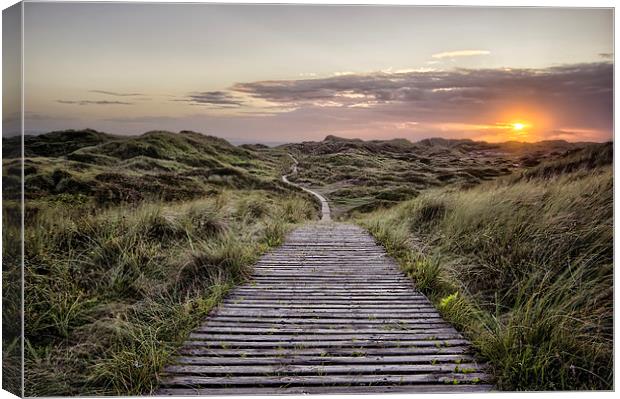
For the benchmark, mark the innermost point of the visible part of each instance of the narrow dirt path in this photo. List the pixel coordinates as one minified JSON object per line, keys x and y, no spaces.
{"x":327,"y":312}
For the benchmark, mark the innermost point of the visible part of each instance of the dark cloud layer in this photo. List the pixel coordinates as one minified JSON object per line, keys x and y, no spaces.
{"x":576,"y":93}
{"x":457,"y":85}
{"x":91,"y":102}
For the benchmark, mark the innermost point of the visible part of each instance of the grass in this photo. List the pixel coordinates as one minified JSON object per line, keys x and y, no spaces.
{"x":113,"y":292}
{"x":81,"y":165}
{"x":11,"y":301}
{"x":131,"y":241}
{"x":523,"y":265}
{"x":361,"y":176}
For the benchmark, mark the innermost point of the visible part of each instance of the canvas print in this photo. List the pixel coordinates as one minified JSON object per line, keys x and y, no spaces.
{"x":241,"y":199}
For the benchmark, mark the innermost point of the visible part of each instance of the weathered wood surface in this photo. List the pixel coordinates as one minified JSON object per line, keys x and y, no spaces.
{"x":328,"y":312}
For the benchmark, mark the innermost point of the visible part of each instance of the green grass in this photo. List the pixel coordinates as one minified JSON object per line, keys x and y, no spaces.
{"x":112,"y":292}
{"x":130,"y":241}
{"x":154,"y":166}
{"x":522,"y":265}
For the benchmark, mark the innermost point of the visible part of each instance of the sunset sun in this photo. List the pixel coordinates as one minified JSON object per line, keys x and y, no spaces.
{"x":518,"y":126}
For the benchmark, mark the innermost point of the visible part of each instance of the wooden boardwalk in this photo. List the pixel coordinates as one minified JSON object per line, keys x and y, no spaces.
{"x":328,"y":312}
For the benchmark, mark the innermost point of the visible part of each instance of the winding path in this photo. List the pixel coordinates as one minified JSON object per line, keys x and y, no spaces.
{"x":325,"y":212}
{"x":327,"y":312}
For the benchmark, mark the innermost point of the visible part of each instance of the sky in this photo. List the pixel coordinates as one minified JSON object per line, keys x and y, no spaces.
{"x":286,"y":73}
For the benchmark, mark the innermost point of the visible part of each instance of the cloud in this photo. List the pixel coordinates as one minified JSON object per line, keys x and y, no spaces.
{"x":91,"y":102}
{"x":579,"y":95}
{"x":607,"y":56}
{"x":574,"y":101}
{"x":115,"y":93}
{"x":460,"y":53}
{"x":213,"y":98}
{"x":436,"y":88}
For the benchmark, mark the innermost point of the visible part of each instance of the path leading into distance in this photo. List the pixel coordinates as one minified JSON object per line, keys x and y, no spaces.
{"x":327,"y":312}
{"x":325,"y":212}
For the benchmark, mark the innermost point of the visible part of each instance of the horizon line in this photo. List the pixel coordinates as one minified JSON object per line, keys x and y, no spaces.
{"x":240,"y":141}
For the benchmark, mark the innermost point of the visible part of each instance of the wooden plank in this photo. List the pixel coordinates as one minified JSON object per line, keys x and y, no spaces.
{"x":301,"y":303}
{"x":317,"y":291}
{"x":310,"y":327}
{"x":324,"y":337}
{"x":331,"y":288}
{"x":283,"y":369}
{"x":386,"y":305}
{"x":309,"y":307}
{"x":332,"y":351}
{"x":358,"y":343}
{"x":327,"y":379}
{"x":332,"y":280}
{"x":327,"y":323}
{"x":334,"y":313}
{"x":345,"y":296}
{"x":355,"y":389}
{"x":301,"y":360}
{"x":379,"y":289}
{"x":241,"y":330}
{"x":332,"y":320}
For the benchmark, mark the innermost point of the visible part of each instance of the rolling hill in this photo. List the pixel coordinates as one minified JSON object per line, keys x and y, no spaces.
{"x":360,"y":176}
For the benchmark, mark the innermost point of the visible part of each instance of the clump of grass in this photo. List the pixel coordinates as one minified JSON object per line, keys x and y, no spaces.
{"x":426,"y":272}
{"x":429,"y":210}
{"x":219,"y":261}
{"x":252,"y":208}
{"x":274,"y":233}
{"x":204,"y":220}
{"x":523,"y":266}
{"x":296,"y":209}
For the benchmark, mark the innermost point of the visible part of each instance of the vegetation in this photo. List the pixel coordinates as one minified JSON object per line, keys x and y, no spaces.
{"x":11,"y":299}
{"x":130,"y":242}
{"x":523,"y":265}
{"x":360,"y":176}
{"x":81,"y":165}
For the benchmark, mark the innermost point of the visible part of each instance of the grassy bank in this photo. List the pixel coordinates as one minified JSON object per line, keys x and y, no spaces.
{"x":112,"y":292}
{"x":523,"y":265}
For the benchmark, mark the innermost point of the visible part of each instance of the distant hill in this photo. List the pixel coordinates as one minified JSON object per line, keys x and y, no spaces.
{"x":130,"y":168}
{"x":359,"y":175}
{"x":53,"y":144}
{"x":356,"y":175}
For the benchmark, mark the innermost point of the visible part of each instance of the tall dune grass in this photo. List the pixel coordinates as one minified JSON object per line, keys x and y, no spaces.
{"x":110,"y":294}
{"x":524,"y":266}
